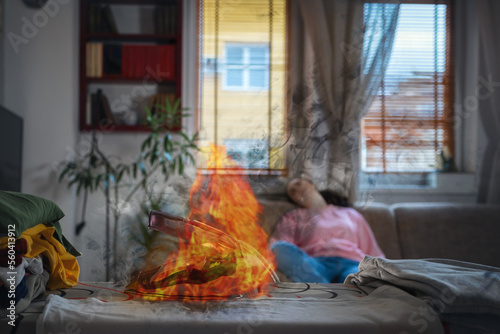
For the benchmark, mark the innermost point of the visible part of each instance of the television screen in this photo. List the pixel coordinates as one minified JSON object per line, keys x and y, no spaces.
{"x":11,"y":150}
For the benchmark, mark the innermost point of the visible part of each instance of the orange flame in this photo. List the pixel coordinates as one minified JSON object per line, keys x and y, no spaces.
{"x":237,"y":261}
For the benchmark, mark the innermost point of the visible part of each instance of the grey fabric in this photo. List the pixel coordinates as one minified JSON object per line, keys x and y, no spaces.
{"x":36,"y":286}
{"x":453,"y":231}
{"x":329,"y":308}
{"x":463,"y":293}
{"x":381,"y":220}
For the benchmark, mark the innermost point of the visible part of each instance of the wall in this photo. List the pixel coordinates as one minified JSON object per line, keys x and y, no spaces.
{"x":40,"y":84}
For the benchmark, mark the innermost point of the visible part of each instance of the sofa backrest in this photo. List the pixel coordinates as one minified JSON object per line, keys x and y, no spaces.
{"x":454,"y":231}
{"x":381,"y":220}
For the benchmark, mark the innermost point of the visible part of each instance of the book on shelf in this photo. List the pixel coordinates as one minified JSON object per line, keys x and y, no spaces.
{"x":134,"y":61}
{"x":88,"y":60}
{"x":109,"y":24}
{"x":112,"y":59}
{"x":94,"y":56}
{"x":165,"y":19}
{"x":99,"y":109}
{"x":153,"y":60}
{"x":108,"y":115}
{"x":100,"y":19}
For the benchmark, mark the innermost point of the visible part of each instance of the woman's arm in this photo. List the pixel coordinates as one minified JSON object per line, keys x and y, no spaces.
{"x":288,"y":227}
{"x":366,"y":240}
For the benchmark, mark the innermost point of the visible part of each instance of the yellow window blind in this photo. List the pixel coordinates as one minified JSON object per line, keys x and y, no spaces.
{"x":243,"y":80}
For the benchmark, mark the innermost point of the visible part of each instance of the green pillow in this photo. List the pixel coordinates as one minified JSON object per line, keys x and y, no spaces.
{"x":24,"y":211}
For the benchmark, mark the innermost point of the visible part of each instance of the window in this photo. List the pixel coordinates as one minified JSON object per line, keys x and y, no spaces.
{"x":243,"y":80}
{"x":247,"y":67}
{"x":411,"y":119}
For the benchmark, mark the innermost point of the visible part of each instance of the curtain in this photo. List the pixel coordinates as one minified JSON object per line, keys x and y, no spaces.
{"x":488,"y":95}
{"x":339,"y":50}
{"x":466,"y":58}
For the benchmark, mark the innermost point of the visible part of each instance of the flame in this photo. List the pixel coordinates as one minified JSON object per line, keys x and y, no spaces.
{"x":230,"y":260}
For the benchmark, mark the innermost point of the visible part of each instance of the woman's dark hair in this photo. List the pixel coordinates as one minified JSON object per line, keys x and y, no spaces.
{"x":331,"y":197}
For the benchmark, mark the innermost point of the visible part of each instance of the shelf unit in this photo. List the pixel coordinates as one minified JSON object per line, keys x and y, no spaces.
{"x":142,"y":42}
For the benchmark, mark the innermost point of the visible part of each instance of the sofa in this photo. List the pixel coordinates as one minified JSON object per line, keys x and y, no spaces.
{"x":466,"y":232}
{"x":419,"y":230}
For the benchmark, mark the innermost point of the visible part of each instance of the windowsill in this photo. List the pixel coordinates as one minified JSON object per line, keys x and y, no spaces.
{"x":242,"y":171}
{"x":435,"y":183}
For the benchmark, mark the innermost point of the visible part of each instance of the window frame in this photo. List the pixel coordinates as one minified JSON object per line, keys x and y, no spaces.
{"x":416,"y":178}
{"x":246,"y":66}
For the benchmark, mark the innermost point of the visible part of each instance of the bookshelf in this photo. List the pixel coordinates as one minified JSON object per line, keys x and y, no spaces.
{"x":130,"y":56}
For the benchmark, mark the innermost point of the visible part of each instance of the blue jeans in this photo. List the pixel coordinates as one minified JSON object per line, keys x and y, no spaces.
{"x":300,"y":267}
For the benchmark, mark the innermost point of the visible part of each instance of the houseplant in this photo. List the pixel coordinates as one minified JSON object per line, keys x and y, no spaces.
{"x":162,"y":153}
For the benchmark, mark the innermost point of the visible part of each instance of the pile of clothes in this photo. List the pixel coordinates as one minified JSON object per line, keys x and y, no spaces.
{"x":34,"y":254}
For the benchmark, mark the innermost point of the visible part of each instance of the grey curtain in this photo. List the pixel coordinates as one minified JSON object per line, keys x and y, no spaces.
{"x":339,"y":52}
{"x":489,"y":103}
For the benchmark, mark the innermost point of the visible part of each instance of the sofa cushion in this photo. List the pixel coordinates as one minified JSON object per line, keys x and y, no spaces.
{"x":453,"y":231}
{"x":380,"y":218}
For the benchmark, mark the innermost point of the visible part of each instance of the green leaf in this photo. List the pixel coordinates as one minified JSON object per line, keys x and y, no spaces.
{"x":93,"y":160}
{"x":148,"y":115}
{"x":146,"y":143}
{"x":186,"y":138}
{"x":167,"y":143}
{"x":120,"y":175}
{"x":181,"y":165}
{"x":152,"y":159}
{"x":64,"y":172}
{"x":176,"y":104}
{"x":154,"y":153}
{"x":134,"y":170}
{"x":191,"y":157}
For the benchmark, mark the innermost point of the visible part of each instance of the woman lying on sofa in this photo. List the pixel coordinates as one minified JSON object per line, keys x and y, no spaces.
{"x":323,"y":241}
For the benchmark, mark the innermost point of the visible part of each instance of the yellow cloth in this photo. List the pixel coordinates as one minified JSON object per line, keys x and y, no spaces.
{"x":64,"y":268}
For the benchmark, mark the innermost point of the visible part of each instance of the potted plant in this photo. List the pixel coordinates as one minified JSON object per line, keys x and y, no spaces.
{"x":161,"y":153}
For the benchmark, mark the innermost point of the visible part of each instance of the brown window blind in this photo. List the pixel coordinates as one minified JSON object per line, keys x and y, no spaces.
{"x":411,"y":119}
{"x":243,"y":48}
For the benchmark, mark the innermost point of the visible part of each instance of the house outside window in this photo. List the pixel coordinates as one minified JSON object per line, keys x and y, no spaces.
{"x":410,"y":121}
